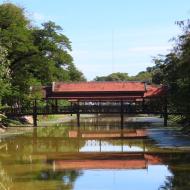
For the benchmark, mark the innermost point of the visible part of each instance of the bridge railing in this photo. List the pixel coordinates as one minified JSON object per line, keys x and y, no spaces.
{"x":43,"y":110}
{"x":149,"y":106}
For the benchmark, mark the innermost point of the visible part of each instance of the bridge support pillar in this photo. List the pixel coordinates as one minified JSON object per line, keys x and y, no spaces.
{"x":78,"y":119}
{"x":143,"y":105}
{"x":165,"y":119}
{"x":166,"y":113}
{"x":35,"y":118}
{"x":78,"y":114}
{"x":122,"y":115}
{"x":122,"y":120}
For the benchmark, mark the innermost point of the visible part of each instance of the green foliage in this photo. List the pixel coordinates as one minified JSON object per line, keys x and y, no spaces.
{"x":75,"y":74}
{"x":145,"y":76}
{"x":53,"y":53}
{"x":32,"y":56}
{"x":173,"y":70}
{"x":113,"y":77}
{"x":141,"y":76}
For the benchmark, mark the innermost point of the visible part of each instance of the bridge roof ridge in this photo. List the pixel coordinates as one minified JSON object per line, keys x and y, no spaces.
{"x":93,"y":86}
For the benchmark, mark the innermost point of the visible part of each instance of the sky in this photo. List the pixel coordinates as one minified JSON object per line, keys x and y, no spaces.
{"x":112,"y":35}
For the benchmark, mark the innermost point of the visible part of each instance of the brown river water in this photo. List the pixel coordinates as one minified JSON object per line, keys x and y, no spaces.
{"x":98,"y":155}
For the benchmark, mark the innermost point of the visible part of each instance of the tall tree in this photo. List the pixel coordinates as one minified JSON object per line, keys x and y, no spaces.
{"x":16,"y":36}
{"x":53,"y":54}
{"x":38,"y":56}
{"x":173,"y":70}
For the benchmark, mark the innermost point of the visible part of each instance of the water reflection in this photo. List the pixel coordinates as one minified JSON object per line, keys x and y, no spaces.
{"x":93,"y":157}
{"x":106,"y":146}
{"x":123,"y":179}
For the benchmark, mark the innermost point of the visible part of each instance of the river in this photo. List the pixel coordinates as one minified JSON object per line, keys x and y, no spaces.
{"x":100,"y":155}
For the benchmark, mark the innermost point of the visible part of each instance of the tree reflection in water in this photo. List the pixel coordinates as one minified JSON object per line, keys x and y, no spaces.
{"x":180,"y":168}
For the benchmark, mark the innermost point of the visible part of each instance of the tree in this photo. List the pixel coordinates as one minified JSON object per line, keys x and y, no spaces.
{"x":173,"y":70}
{"x":113,"y":77}
{"x":37,"y":56}
{"x":141,"y":76}
{"x":75,"y":74}
{"x":16,"y":37}
{"x":145,"y":76}
{"x":54,"y":54}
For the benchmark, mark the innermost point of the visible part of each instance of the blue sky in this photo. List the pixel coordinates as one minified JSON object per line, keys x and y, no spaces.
{"x":112,"y":35}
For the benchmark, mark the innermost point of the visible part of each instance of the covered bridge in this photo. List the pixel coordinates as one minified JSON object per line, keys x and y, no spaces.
{"x":103,"y":91}
{"x":109,"y":97}
{"x":96,"y":98}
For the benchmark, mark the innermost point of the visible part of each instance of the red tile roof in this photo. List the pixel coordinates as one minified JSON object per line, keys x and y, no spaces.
{"x":154,"y":91}
{"x":99,"y":87}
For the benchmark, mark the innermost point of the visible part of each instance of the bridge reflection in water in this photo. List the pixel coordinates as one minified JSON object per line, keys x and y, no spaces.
{"x":136,"y":133}
{"x":96,"y":149}
{"x":110,"y":161}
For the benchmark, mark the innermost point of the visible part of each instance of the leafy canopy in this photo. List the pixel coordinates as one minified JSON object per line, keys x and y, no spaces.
{"x":37,"y":55}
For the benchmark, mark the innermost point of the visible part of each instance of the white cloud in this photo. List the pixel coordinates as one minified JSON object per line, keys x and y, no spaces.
{"x":119,"y":54}
{"x":38,"y":16}
{"x":143,"y":49}
{"x":85,"y":55}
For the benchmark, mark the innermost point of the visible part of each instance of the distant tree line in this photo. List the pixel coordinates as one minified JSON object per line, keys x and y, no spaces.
{"x":31,"y":55}
{"x":145,"y":76}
